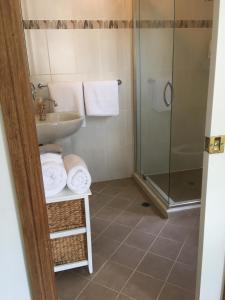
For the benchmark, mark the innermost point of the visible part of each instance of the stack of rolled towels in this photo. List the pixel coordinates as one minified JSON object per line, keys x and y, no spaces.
{"x":58,"y":171}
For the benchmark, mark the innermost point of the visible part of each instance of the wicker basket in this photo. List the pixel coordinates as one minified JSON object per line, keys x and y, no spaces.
{"x":66,"y":215}
{"x":69,"y":249}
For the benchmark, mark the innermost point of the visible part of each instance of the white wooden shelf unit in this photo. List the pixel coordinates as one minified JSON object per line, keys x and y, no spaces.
{"x":67,"y":195}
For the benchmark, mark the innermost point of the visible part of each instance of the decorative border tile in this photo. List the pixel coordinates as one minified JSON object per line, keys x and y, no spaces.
{"x":77,"y":24}
{"x":194,"y":23}
{"x":171,"y":24}
{"x":114,"y":24}
{"x":155,"y":24}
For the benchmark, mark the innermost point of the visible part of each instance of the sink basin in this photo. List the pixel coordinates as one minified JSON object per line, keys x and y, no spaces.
{"x":57,"y":125}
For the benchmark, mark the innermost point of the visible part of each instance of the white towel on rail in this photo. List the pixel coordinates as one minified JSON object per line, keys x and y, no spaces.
{"x":54,"y":173}
{"x":68,"y":95}
{"x":101,"y":98}
{"x":79,"y":178}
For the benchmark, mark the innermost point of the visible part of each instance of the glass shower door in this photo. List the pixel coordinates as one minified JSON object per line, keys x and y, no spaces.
{"x":154,"y":89}
{"x":191,"y":62}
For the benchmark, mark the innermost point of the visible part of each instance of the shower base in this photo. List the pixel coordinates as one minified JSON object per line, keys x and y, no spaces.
{"x":173,"y":192}
{"x":182,"y":187}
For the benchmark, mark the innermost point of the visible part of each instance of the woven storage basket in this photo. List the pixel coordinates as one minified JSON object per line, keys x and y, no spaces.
{"x":69,"y":249}
{"x":66,"y":215}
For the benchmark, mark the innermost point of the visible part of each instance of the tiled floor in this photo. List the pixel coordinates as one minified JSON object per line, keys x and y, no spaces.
{"x":137,"y":254}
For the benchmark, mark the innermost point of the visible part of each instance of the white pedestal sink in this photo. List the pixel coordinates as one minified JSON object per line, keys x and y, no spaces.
{"x":57,"y":125}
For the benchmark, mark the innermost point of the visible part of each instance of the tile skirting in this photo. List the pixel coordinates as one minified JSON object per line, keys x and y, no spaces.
{"x":114,"y":24}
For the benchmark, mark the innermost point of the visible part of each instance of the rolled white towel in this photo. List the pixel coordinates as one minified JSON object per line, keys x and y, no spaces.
{"x":51,"y":148}
{"x":53,"y":157}
{"x":79,"y":178}
{"x":54,"y":174}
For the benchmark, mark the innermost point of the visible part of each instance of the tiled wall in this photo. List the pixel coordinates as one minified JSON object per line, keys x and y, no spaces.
{"x":106,"y":144}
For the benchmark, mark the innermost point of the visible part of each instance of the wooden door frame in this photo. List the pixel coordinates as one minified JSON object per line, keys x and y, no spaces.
{"x":17,"y":109}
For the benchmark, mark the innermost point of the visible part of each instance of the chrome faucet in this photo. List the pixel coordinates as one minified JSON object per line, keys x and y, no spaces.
{"x":42,"y":108}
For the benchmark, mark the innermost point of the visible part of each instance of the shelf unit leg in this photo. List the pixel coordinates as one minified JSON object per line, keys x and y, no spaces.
{"x":88,"y":228}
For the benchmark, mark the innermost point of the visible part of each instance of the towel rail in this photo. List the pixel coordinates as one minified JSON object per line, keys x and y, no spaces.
{"x":41,"y":85}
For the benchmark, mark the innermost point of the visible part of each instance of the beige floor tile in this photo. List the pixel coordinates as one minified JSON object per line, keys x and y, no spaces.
{"x":128,"y":256}
{"x":142,"y":287}
{"x":187,"y":218}
{"x":156,"y":266}
{"x":113,"y":276}
{"x":97,"y":292}
{"x":167,"y":248}
{"x":98,"y":187}
{"x":189,"y":255}
{"x":117,"y":232}
{"x":193,"y":237}
{"x":119,"y":202}
{"x":98,"y":261}
{"x":98,"y":226}
{"x":69,"y":284}
{"x":152,"y":224}
{"x":124,"y":297}
{"x":129,"y":218}
{"x":104,"y":246}
{"x":139,"y":239}
{"x":108,"y":213}
{"x":171,"y":292}
{"x":184,"y":276}
{"x":175,"y":232}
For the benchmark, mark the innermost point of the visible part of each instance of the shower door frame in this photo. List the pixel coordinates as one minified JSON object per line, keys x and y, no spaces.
{"x":162,"y":203}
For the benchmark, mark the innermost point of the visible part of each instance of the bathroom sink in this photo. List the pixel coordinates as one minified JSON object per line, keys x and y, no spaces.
{"x":57,"y":125}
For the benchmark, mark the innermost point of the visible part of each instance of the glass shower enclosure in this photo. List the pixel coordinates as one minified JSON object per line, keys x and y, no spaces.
{"x":172,"y":59}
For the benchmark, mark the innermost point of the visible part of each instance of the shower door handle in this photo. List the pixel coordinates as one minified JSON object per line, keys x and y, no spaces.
{"x":168,"y":103}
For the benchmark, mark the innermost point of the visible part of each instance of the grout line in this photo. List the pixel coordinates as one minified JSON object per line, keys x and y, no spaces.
{"x":146,"y":253}
{"x":105,"y":286}
{"x":109,"y":288}
{"x":172,"y":268}
{"x":154,"y":235}
{"x":114,"y":220}
{"x":181,"y":288}
{"x":106,"y":228}
{"x":108,"y":259}
{"x":124,"y":242}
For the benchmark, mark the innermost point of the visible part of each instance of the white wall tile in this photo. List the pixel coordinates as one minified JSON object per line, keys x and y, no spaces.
{"x":157,"y":10}
{"x":37,"y":50}
{"x":187,"y":10}
{"x":76,"y":9}
{"x":109,"y":50}
{"x":88,"y":51}
{"x":62,"y":51}
{"x":194,"y":9}
{"x":106,"y":144}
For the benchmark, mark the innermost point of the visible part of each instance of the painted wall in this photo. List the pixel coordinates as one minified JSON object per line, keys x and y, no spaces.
{"x":106,"y":144}
{"x":190,"y":71}
{"x":13,"y":278}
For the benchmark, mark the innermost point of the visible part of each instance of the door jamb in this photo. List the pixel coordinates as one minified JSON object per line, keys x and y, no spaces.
{"x":17,"y":108}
